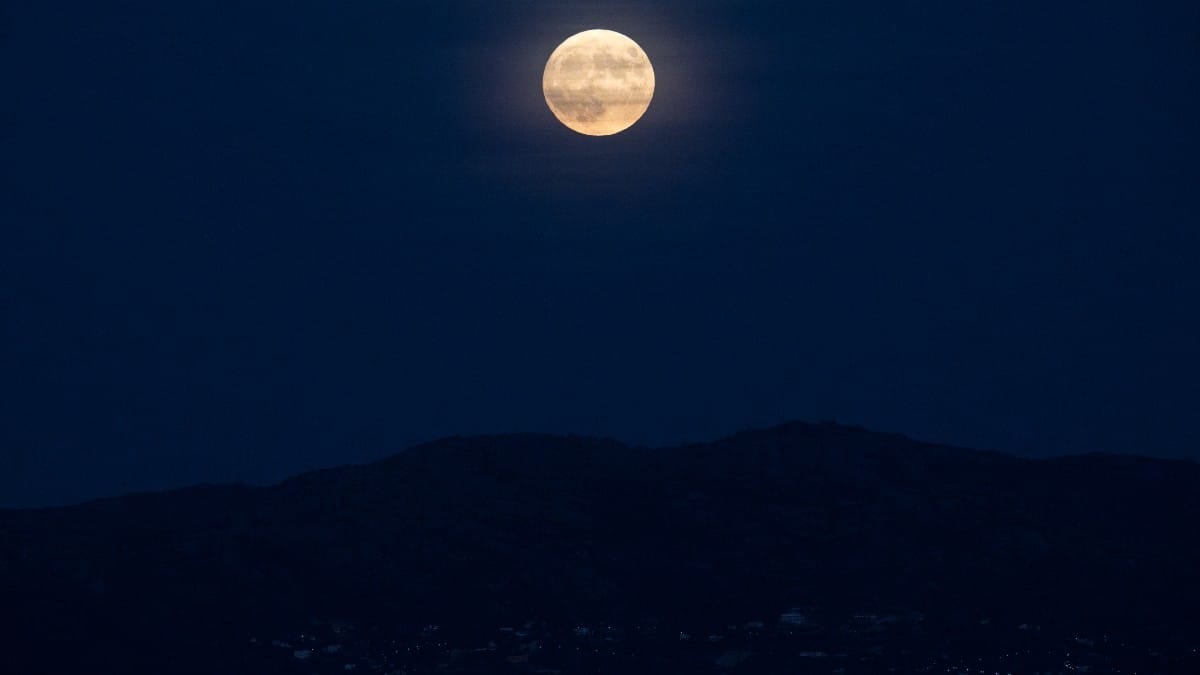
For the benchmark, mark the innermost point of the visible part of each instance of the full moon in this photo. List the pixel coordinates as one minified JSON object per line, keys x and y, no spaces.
{"x":598,"y":83}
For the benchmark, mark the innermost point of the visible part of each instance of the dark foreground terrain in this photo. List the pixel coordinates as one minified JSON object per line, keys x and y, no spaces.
{"x":805,"y":548}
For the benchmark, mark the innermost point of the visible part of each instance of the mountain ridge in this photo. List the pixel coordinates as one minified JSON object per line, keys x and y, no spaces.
{"x":498,"y":529}
{"x":749,"y":434}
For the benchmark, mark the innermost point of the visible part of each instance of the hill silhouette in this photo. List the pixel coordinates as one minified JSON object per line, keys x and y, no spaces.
{"x":487,"y":531}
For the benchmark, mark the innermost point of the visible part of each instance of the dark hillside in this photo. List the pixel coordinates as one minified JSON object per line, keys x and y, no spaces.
{"x":478,"y":532}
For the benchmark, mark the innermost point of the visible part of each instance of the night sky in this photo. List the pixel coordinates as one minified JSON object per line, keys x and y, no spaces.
{"x":242,"y":240}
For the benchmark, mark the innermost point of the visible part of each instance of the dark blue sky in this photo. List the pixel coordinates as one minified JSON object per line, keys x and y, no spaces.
{"x":240,"y":240}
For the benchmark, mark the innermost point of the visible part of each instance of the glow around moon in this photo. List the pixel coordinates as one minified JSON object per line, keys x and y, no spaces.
{"x":598,"y":83}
